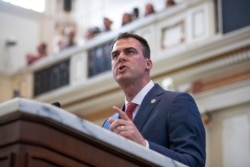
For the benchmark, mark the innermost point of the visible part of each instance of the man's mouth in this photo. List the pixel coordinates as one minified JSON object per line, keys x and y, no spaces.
{"x":121,"y":68}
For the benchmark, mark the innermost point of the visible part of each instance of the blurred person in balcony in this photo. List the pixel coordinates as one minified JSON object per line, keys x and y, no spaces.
{"x":135,"y":13}
{"x":88,"y":35}
{"x":41,"y":52}
{"x":92,"y":32}
{"x":165,"y":121}
{"x":149,"y":9}
{"x":107,"y":23}
{"x":126,"y":19}
{"x":59,"y":38}
{"x":170,"y":3}
{"x":70,"y":38}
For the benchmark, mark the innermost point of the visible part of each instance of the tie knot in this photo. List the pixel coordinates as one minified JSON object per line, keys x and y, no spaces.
{"x":131,"y":104}
{"x":130,"y":109}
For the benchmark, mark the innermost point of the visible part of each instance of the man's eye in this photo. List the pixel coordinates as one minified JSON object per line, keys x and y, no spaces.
{"x":129,"y":52}
{"x":114,"y":56}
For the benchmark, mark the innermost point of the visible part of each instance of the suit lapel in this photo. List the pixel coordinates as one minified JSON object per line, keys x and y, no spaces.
{"x":147,"y":106}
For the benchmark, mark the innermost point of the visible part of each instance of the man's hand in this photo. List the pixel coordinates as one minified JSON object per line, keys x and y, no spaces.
{"x":125,"y":127}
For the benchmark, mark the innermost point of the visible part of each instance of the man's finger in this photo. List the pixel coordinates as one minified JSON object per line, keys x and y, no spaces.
{"x":111,"y":120}
{"x":121,"y":113}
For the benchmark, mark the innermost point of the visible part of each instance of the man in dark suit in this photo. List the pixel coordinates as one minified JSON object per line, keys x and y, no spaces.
{"x":164,"y":121}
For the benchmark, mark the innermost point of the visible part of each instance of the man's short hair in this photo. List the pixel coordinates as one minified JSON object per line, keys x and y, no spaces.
{"x":144,"y":43}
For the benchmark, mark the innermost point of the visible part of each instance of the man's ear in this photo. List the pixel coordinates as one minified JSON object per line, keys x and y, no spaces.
{"x":149,"y":64}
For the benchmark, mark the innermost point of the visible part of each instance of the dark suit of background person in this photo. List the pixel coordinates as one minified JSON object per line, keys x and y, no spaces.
{"x":171,"y":124}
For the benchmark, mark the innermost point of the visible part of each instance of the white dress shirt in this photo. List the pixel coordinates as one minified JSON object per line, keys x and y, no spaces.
{"x":138,"y":100}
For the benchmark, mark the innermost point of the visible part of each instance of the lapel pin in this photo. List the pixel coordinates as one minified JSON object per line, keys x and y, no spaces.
{"x":153,"y":101}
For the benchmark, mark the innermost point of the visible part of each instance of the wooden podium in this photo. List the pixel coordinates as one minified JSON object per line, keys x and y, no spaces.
{"x":35,"y":134}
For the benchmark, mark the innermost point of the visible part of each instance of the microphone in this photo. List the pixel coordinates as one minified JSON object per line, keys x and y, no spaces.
{"x":57,"y":104}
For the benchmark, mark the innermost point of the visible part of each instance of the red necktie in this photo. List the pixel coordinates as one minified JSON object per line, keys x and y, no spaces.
{"x":130,"y":109}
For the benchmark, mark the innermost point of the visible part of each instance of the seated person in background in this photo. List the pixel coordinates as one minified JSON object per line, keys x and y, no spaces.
{"x":126,"y":18}
{"x":149,"y":9}
{"x":107,"y":24}
{"x":135,"y":13}
{"x":92,"y":32}
{"x":59,"y":43}
{"x":170,"y":3}
{"x":41,"y":52}
{"x":58,"y":40}
{"x":70,"y":39}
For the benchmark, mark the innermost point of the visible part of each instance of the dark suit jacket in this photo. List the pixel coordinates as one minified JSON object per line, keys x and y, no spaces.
{"x":172,"y":125}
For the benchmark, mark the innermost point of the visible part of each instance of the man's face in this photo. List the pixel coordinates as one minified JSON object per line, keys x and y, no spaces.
{"x":128,"y":63}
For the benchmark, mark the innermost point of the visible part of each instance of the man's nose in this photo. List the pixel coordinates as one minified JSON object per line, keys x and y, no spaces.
{"x":122,"y":57}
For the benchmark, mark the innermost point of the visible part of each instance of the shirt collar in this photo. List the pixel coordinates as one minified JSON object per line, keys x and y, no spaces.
{"x":140,"y":96}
